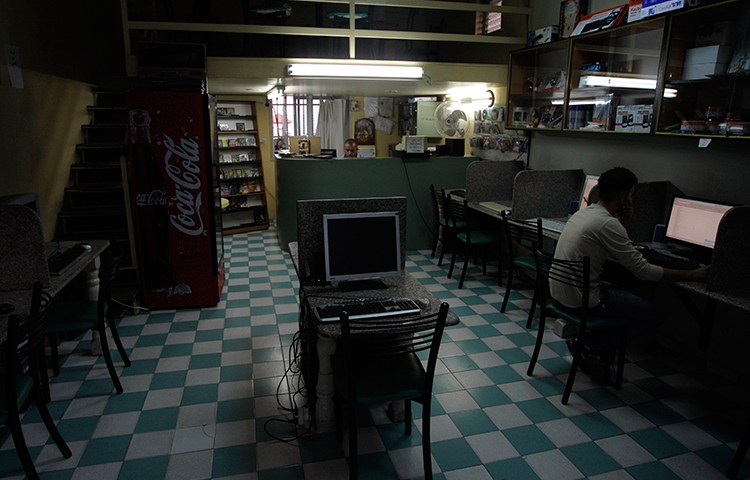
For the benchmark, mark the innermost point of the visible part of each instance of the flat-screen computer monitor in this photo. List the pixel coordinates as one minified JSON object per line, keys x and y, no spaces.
{"x":694,"y":222}
{"x":361,"y":248}
{"x":328,"y":151}
{"x":588,"y":185}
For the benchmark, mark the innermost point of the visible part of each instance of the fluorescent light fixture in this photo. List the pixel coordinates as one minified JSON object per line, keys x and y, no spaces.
{"x":617,"y":82}
{"x":352,"y":71}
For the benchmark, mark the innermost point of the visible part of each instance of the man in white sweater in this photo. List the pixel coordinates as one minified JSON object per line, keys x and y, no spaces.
{"x":598,"y":231}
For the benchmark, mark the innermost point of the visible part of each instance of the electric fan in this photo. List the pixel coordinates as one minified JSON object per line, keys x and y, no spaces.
{"x":450,"y":120}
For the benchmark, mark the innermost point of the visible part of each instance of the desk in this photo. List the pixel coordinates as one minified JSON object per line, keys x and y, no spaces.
{"x":326,"y":334}
{"x":86,"y":264}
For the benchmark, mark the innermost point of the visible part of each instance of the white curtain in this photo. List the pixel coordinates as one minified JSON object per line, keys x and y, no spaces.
{"x":333,"y":123}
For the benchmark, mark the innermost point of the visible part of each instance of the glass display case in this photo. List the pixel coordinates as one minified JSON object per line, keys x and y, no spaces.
{"x":613,"y":78}
{"x":536,"y":91}
{"x":707,"y":74}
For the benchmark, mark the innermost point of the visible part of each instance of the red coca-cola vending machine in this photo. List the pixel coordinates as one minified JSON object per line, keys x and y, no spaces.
{"x":174,"y":196}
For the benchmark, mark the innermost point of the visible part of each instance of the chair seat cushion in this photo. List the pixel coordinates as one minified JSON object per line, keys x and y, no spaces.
{"x":478,"y":237}
{"x":71,"y":316}
{"x":388,"y":379}
{"x":556,"y":309}
{"x":525,"y":261}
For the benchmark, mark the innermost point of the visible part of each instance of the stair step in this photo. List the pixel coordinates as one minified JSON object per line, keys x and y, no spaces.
{"x":107,"y":115}
{"x":94,"y":173}
{"x":93,"y":197}
{"x":108,"y":97}
{"x":95,"y":154}
{"x":92,"y":223}
{"x":104,"y":134}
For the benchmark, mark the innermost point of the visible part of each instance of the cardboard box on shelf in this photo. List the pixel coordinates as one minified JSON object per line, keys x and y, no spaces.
{"x":699,"y":71}
{"x":542,"y":35}
{"x":708,"y":54}
{"x":703,"y":61}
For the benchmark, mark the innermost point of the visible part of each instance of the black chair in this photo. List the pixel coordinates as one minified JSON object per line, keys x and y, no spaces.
{"x":470,"y":239}
{"x":521,"y":238}
{"x":449,"y":227}
{"x":574,"y":273}
{"x":378,"y":363}
{"x":74,"y":316}
{"x":739,"y":455}
{"x":21,"y":367}
{"x":439,"y":221}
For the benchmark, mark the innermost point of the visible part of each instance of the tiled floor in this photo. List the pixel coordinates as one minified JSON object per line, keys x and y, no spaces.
{"x":201,"y":398}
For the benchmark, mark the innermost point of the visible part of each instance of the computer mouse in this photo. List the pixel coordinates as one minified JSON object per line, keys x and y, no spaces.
{"x":640,"y":247}
{"x":85,"y":246}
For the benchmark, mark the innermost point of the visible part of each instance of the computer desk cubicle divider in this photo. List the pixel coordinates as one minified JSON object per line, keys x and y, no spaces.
{"x":310,"y":228}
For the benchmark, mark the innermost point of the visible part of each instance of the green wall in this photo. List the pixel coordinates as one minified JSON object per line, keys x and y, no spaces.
{"x":304,"y":179}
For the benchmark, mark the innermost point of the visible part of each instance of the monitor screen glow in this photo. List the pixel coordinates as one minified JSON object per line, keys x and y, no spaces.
{"x":361,"y":246}
{"x":695,"y":222}
{"x":588,"y":185}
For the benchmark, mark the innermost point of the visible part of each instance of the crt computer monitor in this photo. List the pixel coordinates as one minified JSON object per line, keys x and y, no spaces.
{"x":694,"y":222}
{"x":588,"y":185}
{"x":361,"y":247}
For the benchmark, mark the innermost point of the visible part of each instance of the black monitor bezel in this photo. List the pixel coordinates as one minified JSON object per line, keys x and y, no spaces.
{"x":698,"y":248}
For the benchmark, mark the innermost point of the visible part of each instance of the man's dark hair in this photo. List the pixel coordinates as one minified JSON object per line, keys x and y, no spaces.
{"x":614,"y":182}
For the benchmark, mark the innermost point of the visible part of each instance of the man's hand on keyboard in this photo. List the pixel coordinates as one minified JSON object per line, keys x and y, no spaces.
{"x":699,"y":274}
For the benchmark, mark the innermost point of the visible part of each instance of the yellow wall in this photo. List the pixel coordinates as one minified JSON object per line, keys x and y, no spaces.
{"x":39,"y":130}
{"x":382,"y":140}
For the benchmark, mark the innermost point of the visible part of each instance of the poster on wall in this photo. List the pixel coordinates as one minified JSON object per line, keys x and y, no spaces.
{"x":364,"y":131}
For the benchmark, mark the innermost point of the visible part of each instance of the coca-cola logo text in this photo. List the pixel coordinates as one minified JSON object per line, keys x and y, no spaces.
{"x":152,"y":199}
{"x":185,"y":173}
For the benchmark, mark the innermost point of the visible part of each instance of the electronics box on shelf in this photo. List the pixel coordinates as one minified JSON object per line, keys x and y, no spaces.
{"x":634,"y":118}
{"x":542,"y":35}
{"x":703,"y":61}
{"x":634,"y":10}
{"x":604,"y":19}
{"x":571,"y":12}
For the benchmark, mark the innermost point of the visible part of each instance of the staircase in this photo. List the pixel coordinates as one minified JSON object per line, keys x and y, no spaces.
{"x":94,"y":206}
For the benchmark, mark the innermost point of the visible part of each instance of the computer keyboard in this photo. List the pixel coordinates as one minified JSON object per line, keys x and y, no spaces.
{"x":669,"y":260}
{"x":363,"y":308}
{"x":60,"y":261}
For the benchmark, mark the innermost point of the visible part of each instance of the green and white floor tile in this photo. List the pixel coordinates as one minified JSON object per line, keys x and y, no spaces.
{"x":203,"y":393}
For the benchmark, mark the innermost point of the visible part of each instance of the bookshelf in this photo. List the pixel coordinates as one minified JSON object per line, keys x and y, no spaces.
{"x":241,"y":181}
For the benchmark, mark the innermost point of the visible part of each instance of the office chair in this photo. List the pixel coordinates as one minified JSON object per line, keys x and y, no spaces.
{"x":79,"y":315}
{"x":470,"y":239}
{"x":521,"y":239}
{"x":22,"y":361}
{"x":378,"y":363}
{"x":574,"y":273}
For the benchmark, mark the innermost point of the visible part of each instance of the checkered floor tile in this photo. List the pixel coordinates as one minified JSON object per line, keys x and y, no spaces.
{"x":209,"y":392}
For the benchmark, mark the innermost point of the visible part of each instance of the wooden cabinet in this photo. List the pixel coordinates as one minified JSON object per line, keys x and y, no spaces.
{"x":613,"y":79}
{"x":537,"y":86}
{"x":707,"y":92}
{"x":676,"y":74}
{"x":242,"y":187}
